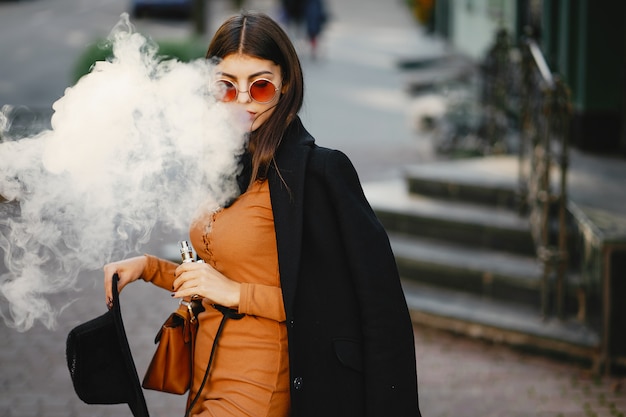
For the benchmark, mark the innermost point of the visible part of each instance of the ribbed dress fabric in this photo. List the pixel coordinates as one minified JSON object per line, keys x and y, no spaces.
{"x":250,"y":372}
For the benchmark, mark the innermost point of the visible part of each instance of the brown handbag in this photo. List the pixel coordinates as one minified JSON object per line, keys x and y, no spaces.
{"x":171,"y":367}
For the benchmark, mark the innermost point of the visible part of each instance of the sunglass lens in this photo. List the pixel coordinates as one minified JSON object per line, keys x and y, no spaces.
{"x":226,"y":91}
{"x":262,"y":91}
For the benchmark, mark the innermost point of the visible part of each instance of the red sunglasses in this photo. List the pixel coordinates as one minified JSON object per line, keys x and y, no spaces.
{"x":260,"y":90}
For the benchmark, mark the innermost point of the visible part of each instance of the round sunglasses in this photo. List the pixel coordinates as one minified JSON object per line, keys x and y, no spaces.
{"x":260,"y":90}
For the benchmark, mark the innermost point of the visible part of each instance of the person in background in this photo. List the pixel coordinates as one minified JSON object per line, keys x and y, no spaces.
{"x":300,"y":253}
{"x":309,"y":15}
{"x":316,"y":18}
{"x":293,"y":10}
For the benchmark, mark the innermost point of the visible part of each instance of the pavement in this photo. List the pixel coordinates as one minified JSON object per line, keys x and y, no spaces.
{"x":356,"y":101}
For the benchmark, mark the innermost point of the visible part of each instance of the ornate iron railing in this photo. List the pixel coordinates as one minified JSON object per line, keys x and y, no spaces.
{"x":499,"y":92}
{"x":543,"y":164}
{"x":520,"y":93}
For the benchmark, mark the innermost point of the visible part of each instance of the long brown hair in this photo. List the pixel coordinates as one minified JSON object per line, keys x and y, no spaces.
{"x":257,"y":35}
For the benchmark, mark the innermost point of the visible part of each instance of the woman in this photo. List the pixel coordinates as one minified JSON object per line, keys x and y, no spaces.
{"x":326,"y":330}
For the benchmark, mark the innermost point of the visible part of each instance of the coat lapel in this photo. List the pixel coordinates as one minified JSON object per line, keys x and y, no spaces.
{"x":287,"y":206}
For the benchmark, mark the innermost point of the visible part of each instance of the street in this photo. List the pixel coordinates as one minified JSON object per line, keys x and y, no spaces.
{"x":41,"y":41}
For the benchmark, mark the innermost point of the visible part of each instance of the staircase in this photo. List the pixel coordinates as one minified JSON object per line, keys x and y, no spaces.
{"x":467,"y":259}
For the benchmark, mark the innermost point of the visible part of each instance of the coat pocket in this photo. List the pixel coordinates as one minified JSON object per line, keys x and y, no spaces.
{"x":349,"y":353}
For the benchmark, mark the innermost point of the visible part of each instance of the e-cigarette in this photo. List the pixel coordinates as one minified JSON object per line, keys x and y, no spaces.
{"x":185,"y":251}
{"x":195,"y":304}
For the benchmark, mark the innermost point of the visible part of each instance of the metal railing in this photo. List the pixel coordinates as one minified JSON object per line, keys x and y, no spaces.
{"x":520,"y":93}
{"x":499,"y":92}
{"x":545,"y":115}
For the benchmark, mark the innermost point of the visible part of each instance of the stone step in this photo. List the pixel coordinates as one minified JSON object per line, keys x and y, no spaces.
{"x":491,"y":181}
{"x":461,"y":223}
{"x":501,"y":322}
{"x":485,"y":272}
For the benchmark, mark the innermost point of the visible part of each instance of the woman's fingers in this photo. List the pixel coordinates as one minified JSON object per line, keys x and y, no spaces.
{"x":187,"y":282}
{"x":109,"y":271}
{"x":127,"y":270}
{"x":190,"y":281}
{"x":205,"y":281}
{"x":190,"y":270}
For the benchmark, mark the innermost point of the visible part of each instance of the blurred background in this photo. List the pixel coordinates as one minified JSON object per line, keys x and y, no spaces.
{"x":489,"y":137}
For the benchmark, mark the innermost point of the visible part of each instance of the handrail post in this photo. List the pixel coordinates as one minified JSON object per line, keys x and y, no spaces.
{"x":546,"y":112}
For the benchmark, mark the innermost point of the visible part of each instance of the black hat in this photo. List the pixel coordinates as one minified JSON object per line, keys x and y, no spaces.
{"x":101,"y":364}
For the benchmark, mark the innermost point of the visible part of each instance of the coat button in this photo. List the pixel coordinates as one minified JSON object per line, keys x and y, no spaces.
{"x":291,"y":323}
{"x":297,"y":383}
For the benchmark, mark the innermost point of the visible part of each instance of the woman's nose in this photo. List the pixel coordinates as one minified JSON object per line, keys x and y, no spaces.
{"x":244,"y":97}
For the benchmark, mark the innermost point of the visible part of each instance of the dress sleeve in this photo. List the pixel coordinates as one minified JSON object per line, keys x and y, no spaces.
{"x":160,"y":272}
{"x":262,"y":300}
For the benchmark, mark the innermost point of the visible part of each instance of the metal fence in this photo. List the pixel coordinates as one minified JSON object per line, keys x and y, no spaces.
{"x":520,"y":92}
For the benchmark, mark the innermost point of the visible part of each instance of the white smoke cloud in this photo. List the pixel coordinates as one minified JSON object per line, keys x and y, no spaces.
{"x":136,"y":142}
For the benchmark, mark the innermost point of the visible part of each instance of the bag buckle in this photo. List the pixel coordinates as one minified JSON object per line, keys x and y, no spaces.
{"x":189,"y":305}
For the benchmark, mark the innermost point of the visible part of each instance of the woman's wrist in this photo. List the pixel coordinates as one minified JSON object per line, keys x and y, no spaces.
{"x":236,"y":295}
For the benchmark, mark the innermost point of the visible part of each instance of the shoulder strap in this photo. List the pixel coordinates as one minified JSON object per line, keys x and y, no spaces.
{"x":227,"y":313}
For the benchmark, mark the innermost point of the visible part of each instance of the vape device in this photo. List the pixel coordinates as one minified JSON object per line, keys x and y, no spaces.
{"x":185,"y":251}
{"x":195,"y":304}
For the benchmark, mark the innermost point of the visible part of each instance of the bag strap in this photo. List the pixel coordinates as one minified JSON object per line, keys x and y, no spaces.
{"x":227,"y":313}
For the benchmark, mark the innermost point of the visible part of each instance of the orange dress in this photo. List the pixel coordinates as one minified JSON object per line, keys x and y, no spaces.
{"x":250,"y":371}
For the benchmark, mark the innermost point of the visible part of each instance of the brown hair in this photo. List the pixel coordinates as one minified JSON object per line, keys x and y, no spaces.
{"x":257,"y":35}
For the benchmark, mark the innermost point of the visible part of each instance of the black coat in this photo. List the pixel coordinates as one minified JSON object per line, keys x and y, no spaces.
{"x":351,"y":346}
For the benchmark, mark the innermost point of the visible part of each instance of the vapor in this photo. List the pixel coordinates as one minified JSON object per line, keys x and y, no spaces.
{"x":137,"y":142}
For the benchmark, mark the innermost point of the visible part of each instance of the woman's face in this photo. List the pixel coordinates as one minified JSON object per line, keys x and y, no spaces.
{"x":242,"y":81}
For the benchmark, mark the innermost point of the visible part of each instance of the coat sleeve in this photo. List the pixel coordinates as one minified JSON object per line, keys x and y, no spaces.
{"x":388,"y":342}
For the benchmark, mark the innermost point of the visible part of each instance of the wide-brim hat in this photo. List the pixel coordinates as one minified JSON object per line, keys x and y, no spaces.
{"x":101,"y":364}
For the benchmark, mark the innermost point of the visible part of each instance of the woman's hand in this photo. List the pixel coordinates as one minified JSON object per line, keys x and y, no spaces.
{"x":128,"y":270}
{"x":201,"y":279}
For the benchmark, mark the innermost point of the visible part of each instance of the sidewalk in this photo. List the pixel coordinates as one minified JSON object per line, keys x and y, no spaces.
{"x":355,"y":101}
